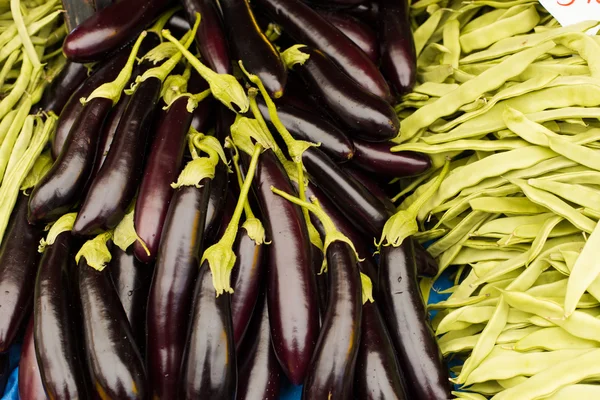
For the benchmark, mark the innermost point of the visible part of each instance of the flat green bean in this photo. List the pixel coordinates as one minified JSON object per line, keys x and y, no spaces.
{"x":470,"y":255}
{"x":459,"y":334}
{"x":467,"y":225}
{"x":509,"y":224}
{"x":22,"y":141}
{"x":506,"y":205}
{"x":422,"y":34}
{"x":12,"y":134}
{"x":554,"y":338}
{"x":476,"y":314}
{"x":510,"y":382}
{"x":451,"y":35}
{"x":468,"y":396}
{"x":487,"y":388}
{"x":578,"y":194}
{"x":563,"y":228}
{"x":587,"y":48}
{"x":578,"y":391}
{"x":434,"y":89}
{"x":462,"y":145}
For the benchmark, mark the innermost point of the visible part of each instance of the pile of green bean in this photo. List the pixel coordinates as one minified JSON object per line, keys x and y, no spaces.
{"x":31,"y":34}
{"x":508,"y":101}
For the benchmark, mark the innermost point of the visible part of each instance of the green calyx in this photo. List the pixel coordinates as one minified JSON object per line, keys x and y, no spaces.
{"x":294,"y":55}
{"x":202,"y":167}
{"x":367,"y":288}
{"x":95,"y":251}
{"x":174,"y":86}
{"x":245,"y":132}
{"x":63,"y":224}
{"x":125,"y":234}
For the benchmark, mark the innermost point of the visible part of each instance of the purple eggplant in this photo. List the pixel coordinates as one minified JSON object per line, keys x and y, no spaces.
{"x":30,"y":381}
{"x":62,"y":87}
{"x":426,"y":264}
{"x":367,"y":11}
{"x":18,"y":267}
{"x":4,"y":370}
{"x":371,"y":185}
{"x":378,"y":159}
{"x":401,"y":302}
{"x":306,"y":26}
{"x":209,"y":368}
{"x":360,"y":33}
{"x":178,"y":24}
{"x":102,"y":4}
{"x":322,"y":284}
{"x":216,"y":205}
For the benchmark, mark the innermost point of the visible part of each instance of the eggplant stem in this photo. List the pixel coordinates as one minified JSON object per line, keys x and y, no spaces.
{"x":162,"y":21}
{"x":313,"y":234}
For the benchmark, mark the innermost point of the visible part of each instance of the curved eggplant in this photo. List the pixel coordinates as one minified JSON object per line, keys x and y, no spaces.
{"x":304,"y":125}
{"x":216,"y":205}
{"x":60,"y":189}
{"x":18,"y":266}
{"x":322,"y":284}
{"x":60,"y":364}
{"x":62,"y":87}
{"x":291,"y":284}
{"x":171,"y":291}
{"x":360,"y":33}
{"x":308,"y":27}
{"x":398,"y":54}
{"x":426,"y":264}
{"x":378,"y":375}
{"x":401,"y":302}
{"x":110,"y":29}
{"x":377,"y":158}
{"x":259,"y":376}
{"x":114,"y":360}
{"x":178,"y":24}
{"x":209,"y":368}
{"x":30,"y":381}
{"x":365,"y":115}
{"x":367,"y":11}
{"x":204,"y":112}
{"x":108,"y":134}
{"x":371,"y":185}
{"x":210,"y":36}
{"x":115,"y":185}
{"x":332,"y":367}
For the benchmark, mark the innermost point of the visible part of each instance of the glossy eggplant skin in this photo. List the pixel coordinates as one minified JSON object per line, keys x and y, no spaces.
{"x":216,"y":203}
{"x":115,"y":185}
{"x":246,"y":277}
{"x":291,"y":284}
{"x":18,"y":267}
{"x":371,"y":185}
{"x":332,"y":367}
{"x":178,"y":24}
{"x":365,"y":211}
{"x":259,"y":376}
{"x":210,"y":37}
{"x":209,"y":368}
{"x":306,"y":26}
{"x":60,"y":363}
{"x":360,"y":33}
{"x":401,"y":302}
{"x":364,"y":115}
{"x":377,"y":158}
{"x":102,"y":4}
{"x":4,"y":370}
{"x":132,"y":282}
{"x":398,"y":54}
{"x":30,"y":381}
{"x":62,"y":87}
{"x":108,"y":133}
{"x":304,"y":125}
{"x":426,"y":265}
{"x":162,"y":168}
{"x":61,"y":188}
{"x":110,"y":29}
{"x":172,"y":288}
{"x":322,"y":284}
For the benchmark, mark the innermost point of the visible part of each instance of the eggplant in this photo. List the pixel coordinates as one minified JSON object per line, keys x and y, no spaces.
{"x":18,"y":267}
{"x":322,"y":284}
{"x":115,"y":185}
{"x":114,"y":360}
{"x":332,"y":367}
{"x":178,"y":24}
{"x":364,"y":115}
{"x":203,"y":114}
{"x":297,"y":97}
{"x":291,"y":284}
{"x":62,"y":87}
{"x":306,"y":26}
{"x":102,"y":4}
{"x":427,"y":266}
{"x":365,"y":211}
{"x":171,"y":290}
{"x":378,"y":159}
{"x":162,"y":168}
{"x":209,"y":368}
{"x":340,"y":3}
{"x":304,"y":125}
{"x":398,"y":53}
{"x":60,"y":189}
{"x":216,"y":205}
{"x":60,"y":363}
{"x":210,"y":37}
{"x":111,"y":29}
{"x":407,"y":321}
{"x":132,"y":282}
{"x":259,"y":373}
{"x":360,"y":33}
{"x":30,"y":381}
{"x":4,"y":370}
{"x":367,"y":11}
{"x":371,"y":185}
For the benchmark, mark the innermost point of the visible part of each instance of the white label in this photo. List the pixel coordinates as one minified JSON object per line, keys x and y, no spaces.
{"x":569,"y":12}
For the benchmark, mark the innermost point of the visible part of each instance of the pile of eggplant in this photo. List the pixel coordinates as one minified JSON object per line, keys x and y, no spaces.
{"x":206,"y":225}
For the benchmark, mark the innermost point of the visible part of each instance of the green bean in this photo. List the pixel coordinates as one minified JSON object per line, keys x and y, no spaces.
{"x":587,"y":48}
{"x":510,"y":382}
{"x":487,"y":245}
{"x":422,"y":34}
{"x":467,"y":225}
{"x":563,"y":228}
{"x":476,"y":314}
{"x":509,"y":224}
{"x":425,"y":285}
{"x":581,"y":154}
{"x":431,"y":54}
{"x":558,"y":288}
{"x":451,"y":42}
{"x":462,"y":145}
{"x":578,"y":391}
{"x":5,"y":124}
{"x":554,"y":338}
{"x":578,"y":194}
{"x":468,"y":396}
{"x":445,"y":304}
{"x":454,"y":335}
{"x":483,"y":20}
{"x":414,"y":184}
{"x":430,"y":234}
{"x":506,"y":205}
{"x":12,"y":134}
{"x":433,"y":89}
{"x":489,"y":388}
{"x":469,"y":255}
{"x":22,"y":141}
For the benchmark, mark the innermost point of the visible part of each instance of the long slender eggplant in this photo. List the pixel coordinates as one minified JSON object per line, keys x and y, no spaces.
{"x":171,"y":291}
{"x":332,"y":367}
{"x":377,"y":158}
{"x":398,"y":54}
{"x":365,"y":211}
{"x":259,"y":375}
{"x":18,"y":266}
{"x":203,"y":115}
{"x":401,"y":302}
{"x":216,"y":205}
{"x":371,"y":185}
{"x":62,"y":87}
{"x":4,"y":370}
{"x":209,"y":368}
{"x":116,"y":183}
{"x":307,"y":126}
{"x":113,"y":358}
{"x":108,"y":133}
{"x":60,"y":363}
{"x":308,"y":27}
{"x":132,"y":282}
{"x":178,"y":24}
{"x":102,"y":4}
{"x":359,"y":32}
{"x":363,"y":114}
{"x":210,"y":37}
{"x":322,"y":284}
{"x":296,"y":96}
{"x":110,"y":29}
{"x":60,"y":189}
{"x":252,"y":46}
{"x":291,"y":284}
{"x":368,"y":12}
{"x":30,"y":380}
{"x":426,"y":264}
